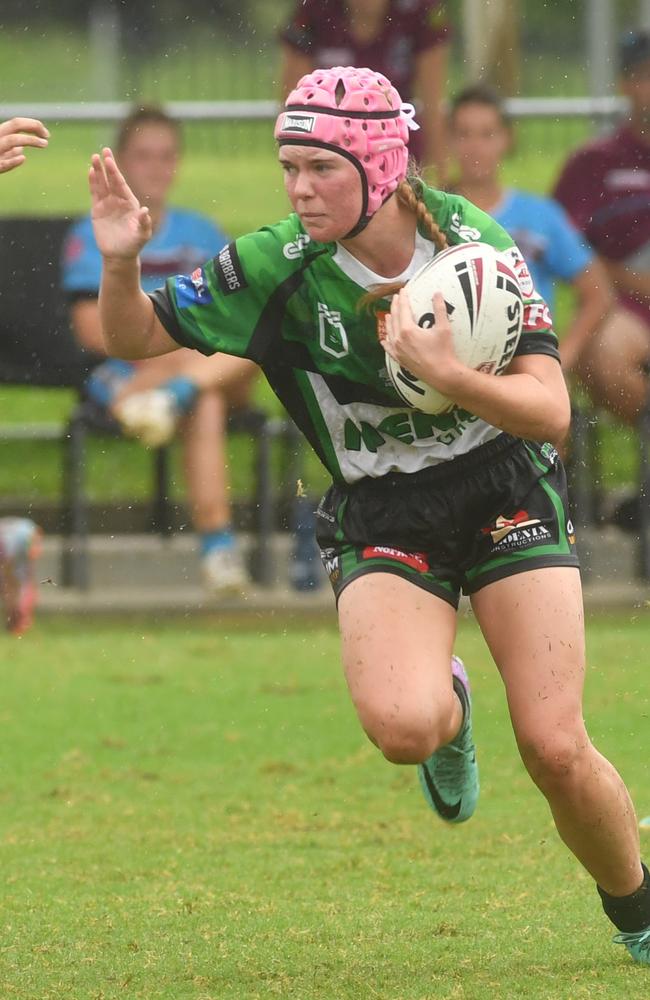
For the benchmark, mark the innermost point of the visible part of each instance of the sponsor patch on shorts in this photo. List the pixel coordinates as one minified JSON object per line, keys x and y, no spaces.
{"x":416,"y":560}
{"x":521,"y":531}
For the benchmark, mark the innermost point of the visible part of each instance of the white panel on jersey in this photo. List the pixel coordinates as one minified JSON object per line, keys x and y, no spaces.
{"x":391,"y":454}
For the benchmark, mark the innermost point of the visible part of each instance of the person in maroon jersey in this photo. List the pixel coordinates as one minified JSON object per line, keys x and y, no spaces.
{"x":405,"y":40}
{"x":605,"y":187}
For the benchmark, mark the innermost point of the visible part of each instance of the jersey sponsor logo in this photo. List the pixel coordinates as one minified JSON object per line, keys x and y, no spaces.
{"x":521,"y":531}
{"x":537,"y":316}
{"x":294,"y":250}
{"x":301,"y":123}
{"x":332,"y":333}
{"x":407,"y":427}
{"x":416,"y":560}
{"x":229,"y":270}
{"x":193,"y":290}
{"x":519,"y":266}
{"x":467,"y":233}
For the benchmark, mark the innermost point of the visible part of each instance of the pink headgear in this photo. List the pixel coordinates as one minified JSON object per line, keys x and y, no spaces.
{"x":358,"y":114}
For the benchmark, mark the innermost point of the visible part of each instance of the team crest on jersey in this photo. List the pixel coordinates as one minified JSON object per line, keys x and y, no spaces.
{"x":333,"y":337}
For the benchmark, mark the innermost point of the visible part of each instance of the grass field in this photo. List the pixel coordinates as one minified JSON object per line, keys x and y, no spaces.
{"x":191,"y":812}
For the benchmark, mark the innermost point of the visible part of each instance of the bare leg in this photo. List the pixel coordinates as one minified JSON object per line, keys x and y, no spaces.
{"x":219,"y":371}
{"x":397,"y":641}
{"x":541,"y":659}
{"x":205,"y":462}
{"x":611,"y":367}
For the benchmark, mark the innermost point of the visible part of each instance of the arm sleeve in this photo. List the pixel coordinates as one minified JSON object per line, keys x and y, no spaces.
{"x":537,"y":334}
{"x":227,"y":305}
{"x":431,"y":25}
{"x":568,"y":254}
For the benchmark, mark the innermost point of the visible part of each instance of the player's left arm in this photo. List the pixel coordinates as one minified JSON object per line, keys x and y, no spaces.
{"x":530,"y":400}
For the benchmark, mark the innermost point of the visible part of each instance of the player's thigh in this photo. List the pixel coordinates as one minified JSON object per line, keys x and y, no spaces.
{"x":397,"y":641}
{"x":533,"y":623}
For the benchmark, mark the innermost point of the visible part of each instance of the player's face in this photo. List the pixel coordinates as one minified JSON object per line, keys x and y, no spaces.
{"x":479,"y":140}
{"x":324,"y":189}
{"x":149,"y":161}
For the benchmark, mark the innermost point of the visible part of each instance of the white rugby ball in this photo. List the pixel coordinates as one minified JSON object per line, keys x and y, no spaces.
{"x":485,"y":308}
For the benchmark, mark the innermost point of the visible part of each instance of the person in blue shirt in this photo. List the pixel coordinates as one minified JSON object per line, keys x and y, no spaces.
{"x":182,"y":392}
{"x":480,"y":136}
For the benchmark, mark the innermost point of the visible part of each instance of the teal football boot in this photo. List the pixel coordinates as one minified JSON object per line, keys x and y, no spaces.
{"x":637,"y":943}
{"x":449,"y":777}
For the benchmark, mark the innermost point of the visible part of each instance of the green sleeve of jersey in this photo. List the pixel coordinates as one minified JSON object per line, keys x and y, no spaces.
{"x":463,"y":222}
{"x":227,"y":304}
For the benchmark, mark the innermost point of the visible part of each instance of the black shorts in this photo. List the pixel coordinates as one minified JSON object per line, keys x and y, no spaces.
{"x":501,"y":509}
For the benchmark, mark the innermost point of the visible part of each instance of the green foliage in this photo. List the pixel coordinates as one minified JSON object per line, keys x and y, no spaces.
{"x":192,"y":812}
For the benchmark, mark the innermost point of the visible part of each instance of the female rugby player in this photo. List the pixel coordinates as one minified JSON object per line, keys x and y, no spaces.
{"x":421,"y":507}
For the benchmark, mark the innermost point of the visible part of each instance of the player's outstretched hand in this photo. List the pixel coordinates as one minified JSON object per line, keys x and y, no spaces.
{"x":15,"y":134}
{"x":121,"y":225}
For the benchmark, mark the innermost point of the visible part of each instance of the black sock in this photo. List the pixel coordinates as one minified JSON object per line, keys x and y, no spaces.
{"x":629,"y":913}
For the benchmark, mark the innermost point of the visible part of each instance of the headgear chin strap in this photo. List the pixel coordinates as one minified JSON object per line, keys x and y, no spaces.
{"x":358,"y":114}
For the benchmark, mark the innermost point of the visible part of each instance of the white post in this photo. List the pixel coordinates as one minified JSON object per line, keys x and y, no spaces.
{"x":644,"y":15}
{"x":104,"y":44}
{"x":601,"y":47}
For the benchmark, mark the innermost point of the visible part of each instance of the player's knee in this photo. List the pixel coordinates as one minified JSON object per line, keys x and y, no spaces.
{"x":555,"y":758}
{"x":407,"y":737}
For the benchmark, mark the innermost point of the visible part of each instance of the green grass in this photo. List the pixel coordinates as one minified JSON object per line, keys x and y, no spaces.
{"x":192,"y":813}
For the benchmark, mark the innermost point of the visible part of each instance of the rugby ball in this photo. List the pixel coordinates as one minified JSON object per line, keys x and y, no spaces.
{"x":485,"y":309}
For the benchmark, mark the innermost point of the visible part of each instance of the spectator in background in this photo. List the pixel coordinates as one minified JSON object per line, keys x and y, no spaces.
{"x":405,"y":40}
{"x":152,"y":399}
{"x":20,"y":538}
{"x":605,"y":187}
{"x":480,"y":136}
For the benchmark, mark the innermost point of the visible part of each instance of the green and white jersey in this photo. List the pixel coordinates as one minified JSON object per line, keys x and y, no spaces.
{"x":292,"y":305}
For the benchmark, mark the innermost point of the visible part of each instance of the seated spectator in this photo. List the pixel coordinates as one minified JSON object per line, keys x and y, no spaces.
{"x":605,"y":187}
{"x":408,"y":42}
{"x":480,"y":136}
{"x":20,"y":538}
{"x":184,"y":391}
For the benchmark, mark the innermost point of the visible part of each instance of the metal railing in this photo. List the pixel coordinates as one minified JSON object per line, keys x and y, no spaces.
{"x":233,"y":111}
